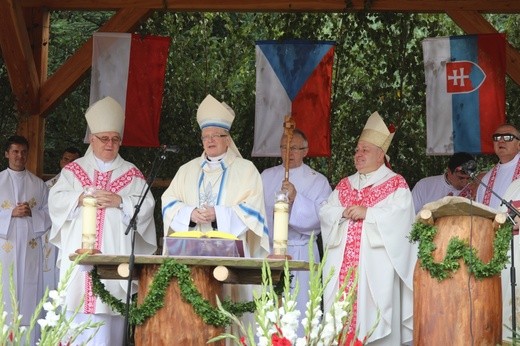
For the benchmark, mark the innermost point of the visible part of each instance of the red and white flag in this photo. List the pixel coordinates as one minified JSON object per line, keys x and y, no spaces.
{"x":131,"y":69}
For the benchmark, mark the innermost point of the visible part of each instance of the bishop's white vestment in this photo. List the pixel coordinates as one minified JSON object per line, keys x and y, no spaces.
{"x":122,"y":178}
{"x":386,"y":259}
{"x":233,"y":187}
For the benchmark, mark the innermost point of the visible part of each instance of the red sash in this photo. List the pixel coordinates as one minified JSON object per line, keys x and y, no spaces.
{"x":101,"y":182}
{"x":368,"y":197}
{"x":492,"y":178}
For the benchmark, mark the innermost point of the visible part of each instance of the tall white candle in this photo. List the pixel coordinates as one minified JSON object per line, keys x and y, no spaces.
{"x":88,"y":238}
{"x":280,"y":225}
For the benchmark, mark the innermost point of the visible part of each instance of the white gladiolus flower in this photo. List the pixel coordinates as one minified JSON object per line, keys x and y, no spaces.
{"x":263,"y":341}
{"x":52,"y":319}
{"x":278,"y":314}
{"x":54,"y":295}
{"x":301,"y":342}
{"x":48,"y":306}
{"x":43,"y":323}
{"x":271,"y":316}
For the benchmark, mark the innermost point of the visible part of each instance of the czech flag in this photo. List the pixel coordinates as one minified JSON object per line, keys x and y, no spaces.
{"x":131,"y":69}
{"x":465,"y":92}
{"x":293,"y":77}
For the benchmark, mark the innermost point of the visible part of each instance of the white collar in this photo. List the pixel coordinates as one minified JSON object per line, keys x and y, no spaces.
{"x":17,"y":174}
{"x":102,"y":165}
{"x":214,"y":162}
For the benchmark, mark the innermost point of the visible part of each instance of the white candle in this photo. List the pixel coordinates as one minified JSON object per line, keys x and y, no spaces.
{"x":89,"y":212}
{"x":281,"y":226}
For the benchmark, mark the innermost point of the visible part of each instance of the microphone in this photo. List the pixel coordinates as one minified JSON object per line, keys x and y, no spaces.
{"x":470,"y":168}
{"x":170,"y":148}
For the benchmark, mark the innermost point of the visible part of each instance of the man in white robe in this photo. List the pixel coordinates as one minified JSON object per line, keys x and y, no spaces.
{"x":24,"y":218}
{"x":117,"y":186}
{"x":454,"y":182}
{"x":365,"y":224}
{"x":307,"y":191}
{"x":218,"y":190}
{"x":506,"y":143}
{"x":51,"y":273}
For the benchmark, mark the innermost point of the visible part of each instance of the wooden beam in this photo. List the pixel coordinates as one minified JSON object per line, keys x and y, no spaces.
{"x":18,"y":57}
{"x":473,"y":22}
{"x":492,"y":6}
{"x":33,"y":126}
{"x":72,"y":70}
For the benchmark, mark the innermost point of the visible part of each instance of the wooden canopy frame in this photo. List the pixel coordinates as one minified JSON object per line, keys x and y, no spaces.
{"x":24,"y":38}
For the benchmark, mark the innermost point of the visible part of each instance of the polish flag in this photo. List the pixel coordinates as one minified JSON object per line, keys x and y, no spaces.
{"x":131,"y":69}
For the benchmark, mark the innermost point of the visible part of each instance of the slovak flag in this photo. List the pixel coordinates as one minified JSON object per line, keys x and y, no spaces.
{"x":293,"y":77}
{"x":131,"y":69}
{"x":465,"y":92}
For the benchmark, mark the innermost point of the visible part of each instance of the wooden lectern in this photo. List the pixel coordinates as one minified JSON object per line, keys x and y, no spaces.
{"x":176,"y":323}
{"x":460,"y":310}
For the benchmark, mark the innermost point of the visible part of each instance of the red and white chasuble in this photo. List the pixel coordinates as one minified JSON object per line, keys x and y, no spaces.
{"x":377,"y":247}
{"x":123,"y":179}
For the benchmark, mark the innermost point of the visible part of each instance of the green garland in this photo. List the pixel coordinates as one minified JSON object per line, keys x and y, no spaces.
{"x":155,"y":298}
{"x":458,"y":249}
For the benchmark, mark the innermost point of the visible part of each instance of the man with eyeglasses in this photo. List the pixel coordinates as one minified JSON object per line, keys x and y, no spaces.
{"x":219,"y":190}
{"x":454,"y":182}
{"x":307,"y":190}
{"x":117,"y":186}
{"x":506,"y":143}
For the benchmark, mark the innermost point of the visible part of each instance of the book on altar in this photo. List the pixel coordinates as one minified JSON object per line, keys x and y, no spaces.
{"x":196,"y":243}
{"x":200,"y":234}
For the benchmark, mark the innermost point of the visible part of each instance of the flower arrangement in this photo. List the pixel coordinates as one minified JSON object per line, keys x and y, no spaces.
{"x":278,"y":319}
{"x":56,"y":327}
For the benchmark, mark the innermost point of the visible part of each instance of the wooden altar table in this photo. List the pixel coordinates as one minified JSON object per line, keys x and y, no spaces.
{"x":176,"y":323}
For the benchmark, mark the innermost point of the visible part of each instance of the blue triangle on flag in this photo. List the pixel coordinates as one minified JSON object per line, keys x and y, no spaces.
{"x":294,"y":61}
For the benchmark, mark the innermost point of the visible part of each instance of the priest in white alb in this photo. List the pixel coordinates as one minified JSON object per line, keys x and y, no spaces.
{"x":307,"y":191}
{"x":24,"y":218}
{"x":506,"y":144}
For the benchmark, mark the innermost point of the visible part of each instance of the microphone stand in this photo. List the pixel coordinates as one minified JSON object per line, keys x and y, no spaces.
{"x":513,"y":212}
{"x":132,"y":225}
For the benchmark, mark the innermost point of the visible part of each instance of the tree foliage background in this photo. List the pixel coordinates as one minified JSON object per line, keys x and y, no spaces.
{"x":378,"y":67}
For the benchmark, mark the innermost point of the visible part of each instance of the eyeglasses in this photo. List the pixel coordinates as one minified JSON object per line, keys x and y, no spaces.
{"x":105,"y":139}
{"x":506,"y":137}
{"x":292,"y":149}
{"x":212,"y":137}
